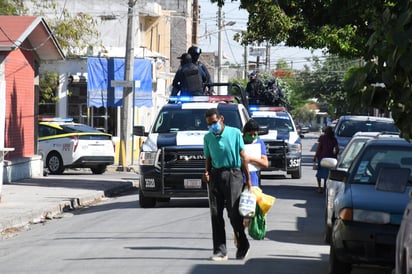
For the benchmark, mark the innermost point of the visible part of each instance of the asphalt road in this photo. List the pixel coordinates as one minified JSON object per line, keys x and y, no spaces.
{"x":117,"y":236}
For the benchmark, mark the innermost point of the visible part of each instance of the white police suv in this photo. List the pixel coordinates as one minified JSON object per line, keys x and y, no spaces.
{"x":65,"y":144}
{"x":171,"y":158}
{"x":283,"y":143}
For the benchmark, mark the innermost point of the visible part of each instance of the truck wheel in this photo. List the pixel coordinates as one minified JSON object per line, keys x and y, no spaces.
{"x":335,"y":265}
{"x":146,"y":202}
{"x":100,"y":169}
{"x":54,"y":163}
{"x":297,"y":174}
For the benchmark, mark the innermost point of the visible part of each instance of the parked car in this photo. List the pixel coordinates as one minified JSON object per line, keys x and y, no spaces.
{"x":65,"y":144}
{"x":371,"y":196}
{"x":343,"y":163}
{"x":303,"y":129}
{"x":348,"y":125}
{"x":403,"y":259}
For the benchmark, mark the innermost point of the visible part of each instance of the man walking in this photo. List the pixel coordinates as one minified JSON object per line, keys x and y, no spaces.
{"x":225,"y":160}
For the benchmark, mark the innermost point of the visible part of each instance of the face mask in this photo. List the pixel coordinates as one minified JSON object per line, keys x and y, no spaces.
{"x":215,"y":128}
{"x":249,"y":139}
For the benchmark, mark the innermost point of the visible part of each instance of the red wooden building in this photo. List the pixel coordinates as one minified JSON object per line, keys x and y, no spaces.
{"x":25,"y":41}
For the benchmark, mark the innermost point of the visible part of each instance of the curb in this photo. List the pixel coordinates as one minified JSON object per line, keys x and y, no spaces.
{"x":24,"y":220}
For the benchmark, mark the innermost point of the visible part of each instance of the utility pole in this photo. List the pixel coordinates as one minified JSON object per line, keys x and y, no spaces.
{"x":195,"y":24}
{"x":126,"y":113}
{"x":246,"y":58}
{"x":219,"y":46}
{"x":267,"y":57}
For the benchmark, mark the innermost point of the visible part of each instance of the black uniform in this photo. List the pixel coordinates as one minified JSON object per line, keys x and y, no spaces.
{"x":188,"y":79}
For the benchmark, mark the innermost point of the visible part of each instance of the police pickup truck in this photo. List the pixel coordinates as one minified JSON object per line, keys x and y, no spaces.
{"x":283,"y":143}
{"x":171,"y":160}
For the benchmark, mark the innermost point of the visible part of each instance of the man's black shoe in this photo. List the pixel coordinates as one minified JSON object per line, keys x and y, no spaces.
{"x":241,"y":253}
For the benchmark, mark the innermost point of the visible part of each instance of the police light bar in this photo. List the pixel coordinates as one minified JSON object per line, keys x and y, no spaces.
{"x":55,"y":119}
{"x":267,"y":108}
{"x":208,"y":99}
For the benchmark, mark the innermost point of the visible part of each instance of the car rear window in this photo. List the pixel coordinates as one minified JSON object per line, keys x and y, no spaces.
{"x":79,"y":128}
{"x":349,"y":127}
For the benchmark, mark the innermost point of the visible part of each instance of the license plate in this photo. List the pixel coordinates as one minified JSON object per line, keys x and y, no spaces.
{"x":149,"y":183}
{"x":193,"y":183}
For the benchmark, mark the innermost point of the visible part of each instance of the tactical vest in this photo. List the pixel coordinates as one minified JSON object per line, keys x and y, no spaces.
{"x":192,"y":79}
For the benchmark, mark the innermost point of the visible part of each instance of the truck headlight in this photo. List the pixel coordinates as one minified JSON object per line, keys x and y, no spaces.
{"x":148,"y":158}
{"x":295,"y":147}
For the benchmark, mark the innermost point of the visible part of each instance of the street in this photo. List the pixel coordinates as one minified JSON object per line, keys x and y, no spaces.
{"x":117,"y":236}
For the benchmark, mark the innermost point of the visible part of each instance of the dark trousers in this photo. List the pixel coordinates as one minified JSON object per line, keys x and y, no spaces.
{"x":225,"y":187}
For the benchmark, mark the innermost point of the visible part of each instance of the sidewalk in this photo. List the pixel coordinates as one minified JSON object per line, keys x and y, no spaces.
{"x":35,"y":200}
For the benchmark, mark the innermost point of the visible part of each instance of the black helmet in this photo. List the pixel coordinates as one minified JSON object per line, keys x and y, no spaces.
{"x":193,"y":50}
{"x":195,"y":53}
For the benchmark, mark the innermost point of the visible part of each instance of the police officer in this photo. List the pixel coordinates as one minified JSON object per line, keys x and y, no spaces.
{"x":255,"y":87}
{"x":188,"y":80}
{"x":195,"y":53}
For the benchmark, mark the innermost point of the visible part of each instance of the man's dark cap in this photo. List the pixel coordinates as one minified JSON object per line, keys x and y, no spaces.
{"x":186,"y":58}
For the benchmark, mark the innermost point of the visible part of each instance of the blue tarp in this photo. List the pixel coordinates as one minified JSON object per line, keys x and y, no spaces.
{"x":100,"y":73}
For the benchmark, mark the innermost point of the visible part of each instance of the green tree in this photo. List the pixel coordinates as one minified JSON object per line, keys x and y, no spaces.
{"x":344,"y":28}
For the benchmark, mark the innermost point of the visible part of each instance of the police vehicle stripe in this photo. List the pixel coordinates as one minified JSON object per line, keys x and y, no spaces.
{"x":180,"y":138}
{"x":283,"y":135}
{"x":166,"y":139}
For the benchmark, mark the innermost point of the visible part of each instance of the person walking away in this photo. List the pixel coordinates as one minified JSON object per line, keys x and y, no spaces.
{"x":188,"y":80}
{"x":207,"y":80}
{"x":327,"y":147}
{"x":225,"y":161}
{"x":254,"y":88}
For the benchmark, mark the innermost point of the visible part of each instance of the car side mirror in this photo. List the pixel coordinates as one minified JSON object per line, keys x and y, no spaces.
{"x":139,"y":131}
{"x":338,"y":175}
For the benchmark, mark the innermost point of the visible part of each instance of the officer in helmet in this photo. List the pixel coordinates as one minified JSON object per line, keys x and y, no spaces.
{"x":188,"y":79}
{"x":195,"y":53}
{"x":254,"y":88}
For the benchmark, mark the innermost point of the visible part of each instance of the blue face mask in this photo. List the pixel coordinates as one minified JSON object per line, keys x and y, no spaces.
{"x":215,"y":128}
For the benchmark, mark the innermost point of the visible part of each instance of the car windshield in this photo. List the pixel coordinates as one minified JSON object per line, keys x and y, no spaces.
{"x":375,"y":158}
{"x":350,"y":153}
{"x":350,"y":127}
{"x":282,"y":124}
{"x":191,"y":119}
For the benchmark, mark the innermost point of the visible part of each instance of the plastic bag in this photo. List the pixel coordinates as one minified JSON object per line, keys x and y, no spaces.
{"x":264,"y":201}
{"x":247,"y":204}
{"x":257,"y":226}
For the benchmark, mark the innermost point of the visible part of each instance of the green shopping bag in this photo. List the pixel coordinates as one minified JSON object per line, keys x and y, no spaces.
{"x":257,"y":226}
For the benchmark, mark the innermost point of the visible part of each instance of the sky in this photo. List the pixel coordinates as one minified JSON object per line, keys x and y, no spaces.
{"x":233,"y":50}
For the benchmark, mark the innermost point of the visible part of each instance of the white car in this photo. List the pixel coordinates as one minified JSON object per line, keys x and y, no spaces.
{"x":64,"y":144}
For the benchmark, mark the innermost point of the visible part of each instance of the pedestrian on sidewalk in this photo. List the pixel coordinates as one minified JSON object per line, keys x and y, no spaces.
{"x":225,"y":161}
{"x":327,"y":147}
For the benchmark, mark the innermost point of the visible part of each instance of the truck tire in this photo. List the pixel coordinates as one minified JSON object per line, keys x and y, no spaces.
{"x":297,"y":174}
{"x":146,"y":202}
